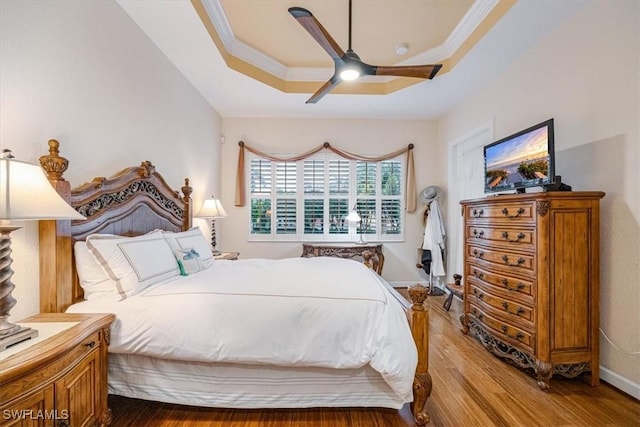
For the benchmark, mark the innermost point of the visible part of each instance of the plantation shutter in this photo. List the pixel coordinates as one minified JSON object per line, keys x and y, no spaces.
{"x":286,"y":200}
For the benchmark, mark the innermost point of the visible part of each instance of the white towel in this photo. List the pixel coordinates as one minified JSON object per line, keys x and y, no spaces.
{"x":434,"y":235}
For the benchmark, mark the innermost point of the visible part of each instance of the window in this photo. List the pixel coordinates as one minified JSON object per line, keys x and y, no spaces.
{"x":311,"y":198}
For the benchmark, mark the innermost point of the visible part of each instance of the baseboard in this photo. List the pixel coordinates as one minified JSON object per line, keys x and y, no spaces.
{"x":405,"y":284}
{"x":620,"y":382}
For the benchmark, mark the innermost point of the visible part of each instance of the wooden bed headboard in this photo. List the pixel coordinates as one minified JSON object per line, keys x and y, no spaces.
{"x":134,"y":201}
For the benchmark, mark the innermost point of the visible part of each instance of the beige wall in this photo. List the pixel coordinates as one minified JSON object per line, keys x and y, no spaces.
{"x":585,"y":75}
{"x":290,"y":136}
{"x":85,"y":74}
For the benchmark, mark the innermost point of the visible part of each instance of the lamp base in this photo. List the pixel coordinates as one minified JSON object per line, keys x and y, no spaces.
{"x":361,"y":242}
{"x":21,"y":334}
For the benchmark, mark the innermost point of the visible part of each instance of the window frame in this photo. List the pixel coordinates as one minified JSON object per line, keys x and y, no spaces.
{"x":352,"y":234}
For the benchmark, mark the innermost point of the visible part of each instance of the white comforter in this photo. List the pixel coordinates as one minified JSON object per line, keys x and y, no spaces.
{"x":324,"y":312}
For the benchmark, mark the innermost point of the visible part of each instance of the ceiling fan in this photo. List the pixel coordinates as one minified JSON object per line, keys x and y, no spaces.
{"x":348,"y":65}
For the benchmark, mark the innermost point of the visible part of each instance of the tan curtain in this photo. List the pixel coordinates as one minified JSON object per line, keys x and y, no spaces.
{"x":410,"y":184}
{"x":240,"y":176}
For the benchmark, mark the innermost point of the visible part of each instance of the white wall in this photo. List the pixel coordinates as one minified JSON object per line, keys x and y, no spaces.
{"x":586,"y":75}
{"x":85,"y":74}
{"x":291,"y":136}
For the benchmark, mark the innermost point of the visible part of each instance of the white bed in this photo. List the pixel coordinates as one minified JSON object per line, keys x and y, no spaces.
{"x":298,"y":332}
{"x":280,"y":313}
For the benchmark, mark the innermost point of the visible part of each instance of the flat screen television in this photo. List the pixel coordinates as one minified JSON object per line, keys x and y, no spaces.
{"x":522,"y":160}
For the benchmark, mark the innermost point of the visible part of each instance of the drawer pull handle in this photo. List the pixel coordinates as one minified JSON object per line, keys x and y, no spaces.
{"x":63,"y":423}
{"x":518,"y":287}
{"x":90,"y":344}
{"x":505,"y":258}
{"x":478,"y":254}
{"x":477,"y":233}
{"x":477,"y":274}
{"x":505,"y":212}
{"x":477,"y":213}
{"x":481,"y":296}
{"x":475,"y":313}
{"x":516,"y":337}
{"x":505,"y":236}
{"x":518,"y":311}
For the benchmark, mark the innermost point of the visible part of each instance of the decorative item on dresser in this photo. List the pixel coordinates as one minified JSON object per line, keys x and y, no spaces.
{"x":531,"y":280}
{"x":347,"y":250}
{"x":198,"y":376}
{"x":62,"y":377}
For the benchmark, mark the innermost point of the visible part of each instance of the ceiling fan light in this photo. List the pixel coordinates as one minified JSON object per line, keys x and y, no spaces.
{"x":349,"y":74}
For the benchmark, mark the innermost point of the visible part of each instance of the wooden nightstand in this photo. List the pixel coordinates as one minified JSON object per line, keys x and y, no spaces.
{"x":59,"y":379}
{"x":233,"y":256}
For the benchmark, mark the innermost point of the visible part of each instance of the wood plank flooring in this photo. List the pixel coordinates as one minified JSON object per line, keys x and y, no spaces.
{"x":470,"y":388}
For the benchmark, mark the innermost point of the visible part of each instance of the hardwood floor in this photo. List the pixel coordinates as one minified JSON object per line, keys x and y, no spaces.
{"x":470,"y":388}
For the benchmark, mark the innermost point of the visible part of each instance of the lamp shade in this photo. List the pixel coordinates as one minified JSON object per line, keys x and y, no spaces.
{"x":211,"y":208}
{"x":353,"y":216}
{"x":27,"y":194}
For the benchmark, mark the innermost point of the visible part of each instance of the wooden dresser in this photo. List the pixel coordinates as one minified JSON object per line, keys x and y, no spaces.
{"x":531,"y":280}
{"x":61,"y":380}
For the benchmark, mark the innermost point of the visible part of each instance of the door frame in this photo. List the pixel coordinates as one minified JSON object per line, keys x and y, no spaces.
{"x":477,"y":137}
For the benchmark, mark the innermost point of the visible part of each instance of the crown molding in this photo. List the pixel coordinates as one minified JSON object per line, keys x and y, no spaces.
{"x":241,"y":57}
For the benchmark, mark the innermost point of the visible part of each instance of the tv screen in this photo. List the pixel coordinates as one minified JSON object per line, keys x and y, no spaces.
{"x":524,"y":159}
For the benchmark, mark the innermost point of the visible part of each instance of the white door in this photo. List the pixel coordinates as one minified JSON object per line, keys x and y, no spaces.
{"x":466,"y":181}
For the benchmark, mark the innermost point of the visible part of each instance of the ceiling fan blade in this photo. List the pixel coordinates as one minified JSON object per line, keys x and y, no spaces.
{"x":317,"y":31}
{"x":325,"y":89}
{"x":419,"y":71}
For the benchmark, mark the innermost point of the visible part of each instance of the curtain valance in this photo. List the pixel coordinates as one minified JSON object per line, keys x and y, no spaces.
{"x":410,"y":182}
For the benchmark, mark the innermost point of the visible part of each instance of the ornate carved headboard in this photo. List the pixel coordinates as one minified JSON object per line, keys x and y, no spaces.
{"x":134,"y":201}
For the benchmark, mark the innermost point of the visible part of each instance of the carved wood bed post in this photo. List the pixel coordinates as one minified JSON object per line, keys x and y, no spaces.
{"x":186,"y":198}
{"x":419,"y":321}
{"x":55,"y":241}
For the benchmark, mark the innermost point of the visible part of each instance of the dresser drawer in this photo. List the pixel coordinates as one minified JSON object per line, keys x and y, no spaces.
{"x":502,"y":330}
{"x":516,"y":310}
{"x":513,"y":288}
{"x":505,"y":213}
{"x":41,"y":376}
{"x":508,"y":261}
{"x":508,"y":237}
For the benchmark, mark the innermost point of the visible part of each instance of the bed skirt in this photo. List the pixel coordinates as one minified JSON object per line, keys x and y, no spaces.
{"x":227,"y":385}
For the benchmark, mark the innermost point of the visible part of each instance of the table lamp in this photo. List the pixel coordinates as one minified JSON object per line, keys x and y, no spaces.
{"x":25,"y":195}
{"x":212,"y":209}
{"x":355,"y":217}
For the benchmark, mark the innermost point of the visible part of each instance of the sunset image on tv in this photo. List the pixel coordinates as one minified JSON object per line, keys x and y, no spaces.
{"x":523,"y":158}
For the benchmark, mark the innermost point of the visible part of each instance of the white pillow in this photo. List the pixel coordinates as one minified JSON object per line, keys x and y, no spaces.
{"x":134,"y":262}
{"x":192,"y":238}
{"x":93,"y":278}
